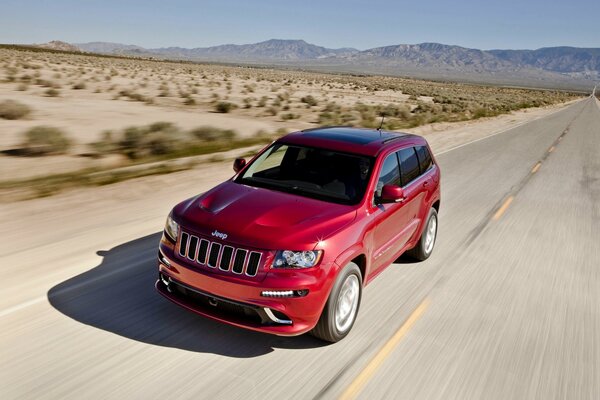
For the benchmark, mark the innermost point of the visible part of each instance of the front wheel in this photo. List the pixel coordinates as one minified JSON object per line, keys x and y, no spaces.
{"x":341,"y":308}
{"x":424,"y":247}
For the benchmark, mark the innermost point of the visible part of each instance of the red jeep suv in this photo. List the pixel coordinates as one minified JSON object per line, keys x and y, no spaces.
{"x":286,"y":245}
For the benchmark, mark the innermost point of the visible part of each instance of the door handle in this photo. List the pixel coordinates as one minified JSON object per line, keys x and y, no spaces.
{"x":426,"y":183}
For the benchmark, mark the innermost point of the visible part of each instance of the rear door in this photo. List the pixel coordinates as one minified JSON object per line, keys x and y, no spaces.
{"x":416,"y":182}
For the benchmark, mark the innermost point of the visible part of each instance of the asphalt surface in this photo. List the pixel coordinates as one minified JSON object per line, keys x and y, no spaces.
{"x":508,"y":306}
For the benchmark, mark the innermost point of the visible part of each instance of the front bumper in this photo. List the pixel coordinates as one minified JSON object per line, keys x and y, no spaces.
{"x":238,"y":302}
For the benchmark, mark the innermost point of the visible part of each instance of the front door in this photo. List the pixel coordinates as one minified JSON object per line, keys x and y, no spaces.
{"x":390,"y":219}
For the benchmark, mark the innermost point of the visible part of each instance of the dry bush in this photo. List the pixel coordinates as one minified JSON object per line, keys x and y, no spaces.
{"x":11,"y":109}
{"x":309,"y":100}
{"x":52,"y":92}
{"x":224,"y":107}
{"x":248,"y":102}
{"x":289,"y":116}
{"x":262,"y":102}
{"x":156,"y":139}
{"x":161,"y":139}
{"x":212,"y":134}
{"x":45,"y":140}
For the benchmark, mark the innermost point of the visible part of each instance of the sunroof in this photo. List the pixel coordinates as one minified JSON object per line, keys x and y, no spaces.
{"x":350,"y":135}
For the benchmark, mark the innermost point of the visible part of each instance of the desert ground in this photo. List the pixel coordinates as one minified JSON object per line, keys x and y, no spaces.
{"x":95,"y":152}
{"x":100,"y":113}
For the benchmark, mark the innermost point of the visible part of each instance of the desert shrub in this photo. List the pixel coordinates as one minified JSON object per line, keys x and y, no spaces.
{"x":289,"y":116}
{"x":189,"y":101}
{"x":156,"y":139}
{"x":132,"y":96}
{"x":43,"y":140}
{"x":10,"y":109}
{"x":52,"y":92}
{"x":309,"y":100}
{"x":480,"y":113}
{"x":212,"y":134}
{"x":272,"y":111}
{"x":262,"y":102}
{"x":224,"y":107}
{"x":79,"y":86}
{"x":106,"y":145}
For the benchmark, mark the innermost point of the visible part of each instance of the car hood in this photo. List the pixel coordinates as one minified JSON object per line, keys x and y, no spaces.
{"x":262,"y":218}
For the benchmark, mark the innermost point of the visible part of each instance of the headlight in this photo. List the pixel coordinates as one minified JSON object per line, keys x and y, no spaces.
{"x":297,"y":259}
{"x":172,"y":228}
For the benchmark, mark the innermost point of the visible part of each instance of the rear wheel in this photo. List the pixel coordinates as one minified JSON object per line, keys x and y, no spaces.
{"x":342,"y":306}
{"x":424,"y":247}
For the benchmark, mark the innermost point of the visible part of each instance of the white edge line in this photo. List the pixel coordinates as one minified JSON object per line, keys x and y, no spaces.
{"x":37,"y":300}
{"x":21,"y":306}
{"x":499,"y":132}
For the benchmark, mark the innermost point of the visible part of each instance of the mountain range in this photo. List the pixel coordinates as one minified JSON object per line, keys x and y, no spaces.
{"x":551,"y":66}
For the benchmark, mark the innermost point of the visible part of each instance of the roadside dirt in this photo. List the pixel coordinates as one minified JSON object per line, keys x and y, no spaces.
{"x":74,"y":226}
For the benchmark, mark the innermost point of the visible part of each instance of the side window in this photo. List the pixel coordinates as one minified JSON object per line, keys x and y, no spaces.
{"x":389,"y":175}
{"x":409,"y":165}
{"x":425,"y":160}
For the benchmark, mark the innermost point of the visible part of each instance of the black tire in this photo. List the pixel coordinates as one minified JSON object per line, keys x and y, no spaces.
{"x":419,"y":252}
{"x":326,"y":329}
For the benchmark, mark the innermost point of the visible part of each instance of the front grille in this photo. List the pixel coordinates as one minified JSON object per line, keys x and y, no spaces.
{"x":213,"y":255}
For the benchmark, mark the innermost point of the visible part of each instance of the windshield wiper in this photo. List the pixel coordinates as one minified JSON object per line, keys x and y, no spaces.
{"x":263,"y":182}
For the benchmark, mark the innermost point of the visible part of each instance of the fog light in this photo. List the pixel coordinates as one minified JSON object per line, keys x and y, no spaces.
{"x":284,"y":293}
{"x":277,"y":293}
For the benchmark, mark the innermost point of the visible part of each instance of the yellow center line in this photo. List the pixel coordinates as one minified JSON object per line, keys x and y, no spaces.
{"x":366,"y":374}
{"x":536,"y":167}
{"x":551,"y":149}
{"x":503,"y":208}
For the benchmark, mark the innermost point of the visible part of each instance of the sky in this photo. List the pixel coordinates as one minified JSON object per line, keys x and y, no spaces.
{"x":524,"y":24}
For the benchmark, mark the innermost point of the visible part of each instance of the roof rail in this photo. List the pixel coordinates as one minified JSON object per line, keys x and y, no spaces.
{"x":396,"y":136}
{"x":326,"y":127}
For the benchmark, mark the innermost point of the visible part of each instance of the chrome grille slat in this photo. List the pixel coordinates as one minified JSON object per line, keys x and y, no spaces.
{"x":192,"y":248}
{"x":253,"y":262}
{"x":226,"y":255}
{"x":219,"y":256}
{"x":239,"y":261}
{"x":203,"y":251}
{"x":183,"y":244}
{"x":213,"y":254}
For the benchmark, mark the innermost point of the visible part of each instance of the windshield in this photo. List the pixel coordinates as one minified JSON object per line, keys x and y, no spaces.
{"x":311,"y":172}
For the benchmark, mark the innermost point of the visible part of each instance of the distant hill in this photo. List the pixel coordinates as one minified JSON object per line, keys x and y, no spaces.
{"x":274,"y":49}
{"x":568,"y":60}
{"x":58,"y":45}
{"x":552,"y":66}
{"x":109,"y":48}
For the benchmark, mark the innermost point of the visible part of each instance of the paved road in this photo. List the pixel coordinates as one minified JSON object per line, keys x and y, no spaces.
{"x":507,"y":307}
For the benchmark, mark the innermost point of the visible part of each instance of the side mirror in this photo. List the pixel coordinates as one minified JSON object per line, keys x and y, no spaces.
{"x":392,"y":194}
{"x":238,"y":164}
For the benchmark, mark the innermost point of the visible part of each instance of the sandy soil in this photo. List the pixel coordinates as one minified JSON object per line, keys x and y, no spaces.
{"x":444,"y":136}
{"x":137,"y":207}
{"x":97,"y":94}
